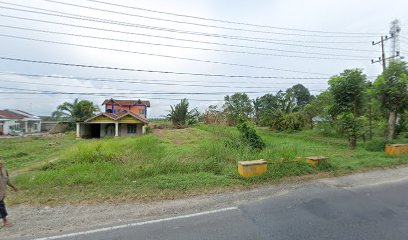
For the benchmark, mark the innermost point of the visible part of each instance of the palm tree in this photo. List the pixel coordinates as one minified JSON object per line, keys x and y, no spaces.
{"x":75,"y":111}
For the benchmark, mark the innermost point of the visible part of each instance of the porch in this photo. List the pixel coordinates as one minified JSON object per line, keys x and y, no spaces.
{"x":101,"y":130}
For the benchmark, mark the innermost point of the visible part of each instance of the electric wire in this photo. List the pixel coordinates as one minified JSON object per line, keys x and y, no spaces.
{"x":173,"y":38}
{"x":184,"y":47}
{"x":230,"y":37}
{"x":161,"y":81}
{"x":189,"y":23}
{"x":156,"y":71}
{"x":226,"y":21}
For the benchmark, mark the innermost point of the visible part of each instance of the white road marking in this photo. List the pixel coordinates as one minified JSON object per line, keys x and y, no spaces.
{"x":137,"y":224}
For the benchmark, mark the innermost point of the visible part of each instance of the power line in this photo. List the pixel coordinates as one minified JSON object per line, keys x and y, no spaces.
{"x":165,"y":56}
{"x":127,"y":89}
{"x":148,"y":82}
{"x":39,"y":92}
{"x":151,"y":71}
{"x":184,"y":47}
{"x":233,"y":37}
{"x":132,"y":92}
{"x":157,"y":55}
{"x":35,"y":91}
{"x":172,"y":38}
{"x":225,"y":21}
{"x":189,"y":23}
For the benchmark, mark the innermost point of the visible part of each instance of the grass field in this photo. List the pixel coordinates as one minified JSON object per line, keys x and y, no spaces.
{"x":167,"y":164}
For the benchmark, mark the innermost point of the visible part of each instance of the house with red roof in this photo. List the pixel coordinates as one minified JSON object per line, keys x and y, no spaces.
{"x":17,"y":120}
{"x":120,"y":118}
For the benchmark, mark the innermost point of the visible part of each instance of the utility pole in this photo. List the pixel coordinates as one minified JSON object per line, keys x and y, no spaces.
{"x":382,"y":58}
{"x":394,"y":32}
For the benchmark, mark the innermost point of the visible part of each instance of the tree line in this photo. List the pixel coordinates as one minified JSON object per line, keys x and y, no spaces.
{"x":351,"y":105}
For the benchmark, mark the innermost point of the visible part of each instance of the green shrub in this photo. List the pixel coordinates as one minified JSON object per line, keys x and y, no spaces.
{"x":326,"y":165}
{"x":249,"y":136}
{"x":148,"y":130}
{"x":375,"y":145}
{"x":295,"y":121}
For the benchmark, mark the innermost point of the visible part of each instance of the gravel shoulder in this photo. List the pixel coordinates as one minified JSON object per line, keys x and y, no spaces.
{"x":31,"y":222}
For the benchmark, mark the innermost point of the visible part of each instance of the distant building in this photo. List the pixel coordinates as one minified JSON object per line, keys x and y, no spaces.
{"x":121,"y":118}
{"x":13,"y":121}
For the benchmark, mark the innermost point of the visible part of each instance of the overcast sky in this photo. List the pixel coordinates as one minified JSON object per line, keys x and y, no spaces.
{"x":367,"y":20}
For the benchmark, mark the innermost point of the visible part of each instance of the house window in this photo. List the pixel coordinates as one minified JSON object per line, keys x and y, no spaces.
{"x":131,"y":128}
{"x":142,"y":111}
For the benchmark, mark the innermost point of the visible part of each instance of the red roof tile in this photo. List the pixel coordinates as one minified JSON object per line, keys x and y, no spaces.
{"x":11,"y":115}
{"x":127,"y":102}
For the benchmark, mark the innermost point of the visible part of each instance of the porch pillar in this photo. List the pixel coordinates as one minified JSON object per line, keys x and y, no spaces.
{"x":116,"y":129}
{"x":39,"y":126}
{"x":26,"y":127}
{"x":78,"y":130}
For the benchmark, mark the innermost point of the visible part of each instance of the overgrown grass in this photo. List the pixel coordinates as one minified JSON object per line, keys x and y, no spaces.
{"x":169,"y":163}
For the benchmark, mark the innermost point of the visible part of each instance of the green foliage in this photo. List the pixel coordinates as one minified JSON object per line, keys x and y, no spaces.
{"x":75,"y":111}
{"x":350,"y":125}
{"x":391,"y":90}
{"x":326,"y":165}
{"x":391,"y":87}
{"x":148,"y":129}
{"x":180,"y":116}
{"x":375,"y":145}
{"x":176,"y":161}
{"x":319,"y":107}
{"x":295,"y":121}
{"x":301,"y":95}
{"x":348,"y":90}
{"x":250,"y":137}
{"x":237,"y":107}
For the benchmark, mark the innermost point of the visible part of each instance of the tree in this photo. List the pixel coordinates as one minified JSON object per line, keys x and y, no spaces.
{"x":268,"y":105}
{"x":213,"y":115}
{"x":351,"y":125}
{"x":319,"y":107}
{"x":286,"y":101}
{"x":237,"y":107}
{"x":301,"y":94}
{"x":257,"y":106}
{"x":349,"y":90}
{"x":392,"y":90}
{"x":180,"y":116}
{"x":75,"y":111}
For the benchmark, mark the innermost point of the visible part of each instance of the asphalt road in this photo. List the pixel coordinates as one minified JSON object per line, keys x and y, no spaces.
{"x":317,"y":211}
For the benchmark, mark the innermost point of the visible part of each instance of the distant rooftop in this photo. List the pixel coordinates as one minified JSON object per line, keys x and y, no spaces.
{"x":127,"y":102}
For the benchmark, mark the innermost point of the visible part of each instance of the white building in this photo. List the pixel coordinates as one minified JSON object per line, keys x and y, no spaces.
{"x":12,"y":119}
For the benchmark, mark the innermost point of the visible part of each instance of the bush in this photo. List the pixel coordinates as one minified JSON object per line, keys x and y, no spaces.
{"x":375,"y":145}
{"x":249,"y":136}
{"x":148,"y":130}
{"x":295,"y":121}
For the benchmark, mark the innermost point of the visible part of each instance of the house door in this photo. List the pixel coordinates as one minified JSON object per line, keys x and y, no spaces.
{"x":95,"y":130}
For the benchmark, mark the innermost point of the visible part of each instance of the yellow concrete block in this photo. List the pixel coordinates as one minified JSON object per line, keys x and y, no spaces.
{"x":396,"y":149}
{"x":252,"y":168}
{"x":315,"y":160}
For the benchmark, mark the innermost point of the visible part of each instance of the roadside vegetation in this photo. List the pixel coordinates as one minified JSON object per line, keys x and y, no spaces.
{"x":193,"y":153}
{"x":172,"y":163}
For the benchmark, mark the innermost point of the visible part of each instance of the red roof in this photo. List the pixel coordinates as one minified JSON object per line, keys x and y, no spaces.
{"x":11,"y":115}
{"x":127,"y":102}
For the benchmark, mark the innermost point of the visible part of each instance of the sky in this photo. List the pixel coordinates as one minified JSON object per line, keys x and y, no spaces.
{"x":256,"y":47}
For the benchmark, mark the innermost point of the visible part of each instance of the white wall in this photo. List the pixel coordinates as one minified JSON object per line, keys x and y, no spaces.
{"x":7,"y":125}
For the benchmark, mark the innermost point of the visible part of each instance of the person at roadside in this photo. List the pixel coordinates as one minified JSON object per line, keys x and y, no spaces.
{"x":4,"y":181}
